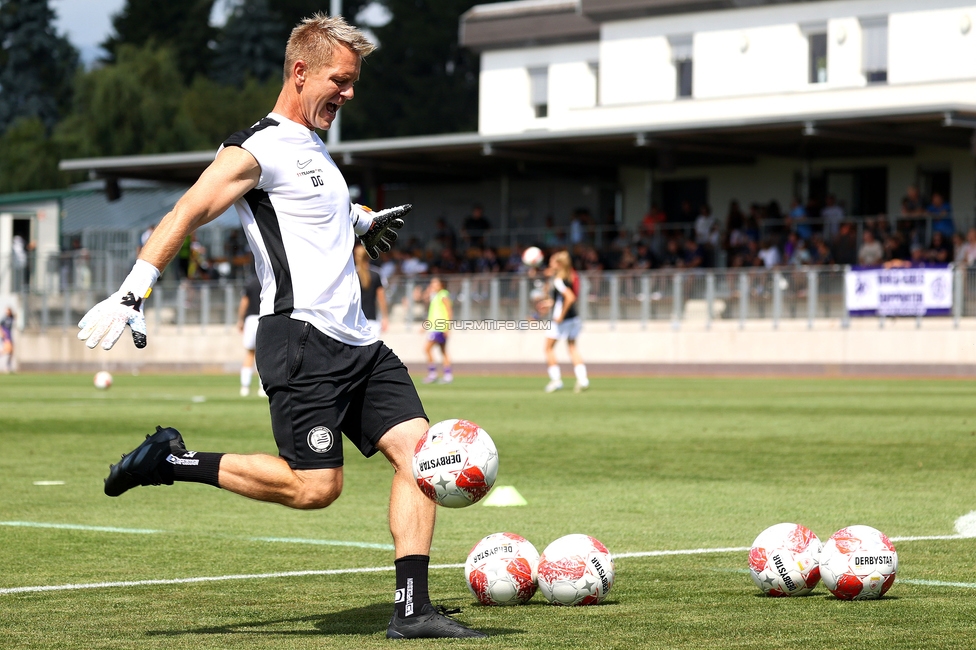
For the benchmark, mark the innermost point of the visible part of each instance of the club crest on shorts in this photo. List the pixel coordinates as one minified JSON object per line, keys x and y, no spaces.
{"x":320,"y":440}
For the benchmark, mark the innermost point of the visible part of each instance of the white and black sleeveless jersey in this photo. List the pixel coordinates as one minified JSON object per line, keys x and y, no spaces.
{"x":558,"y":289}
{"x":298,"y":225}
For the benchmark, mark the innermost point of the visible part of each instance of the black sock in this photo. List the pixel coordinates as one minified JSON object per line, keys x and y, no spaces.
{"x":411,"y":585}
{"x":196,"y":467}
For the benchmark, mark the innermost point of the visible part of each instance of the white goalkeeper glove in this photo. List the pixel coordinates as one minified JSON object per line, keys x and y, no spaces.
{"x":106,"y":321}
{"x":377,"y":230}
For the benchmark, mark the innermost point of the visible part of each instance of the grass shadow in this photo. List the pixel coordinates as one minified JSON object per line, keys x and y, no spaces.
{"x":371,"y":619}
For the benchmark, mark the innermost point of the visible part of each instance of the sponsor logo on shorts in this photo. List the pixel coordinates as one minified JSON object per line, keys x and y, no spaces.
{"x":320,"y":440}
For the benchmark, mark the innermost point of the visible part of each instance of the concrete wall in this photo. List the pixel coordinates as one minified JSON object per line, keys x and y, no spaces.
{"x":898,"y":345}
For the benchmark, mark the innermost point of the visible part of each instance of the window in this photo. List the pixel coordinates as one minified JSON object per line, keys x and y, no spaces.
{"x":539,"y":90}
{"x":874,"y":59}
{"x":681,"y":51}
{"x":818,"y":57}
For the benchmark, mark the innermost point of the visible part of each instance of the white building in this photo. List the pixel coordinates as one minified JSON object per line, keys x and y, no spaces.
{"x":743,"y":99}
{"x":611,"y":105}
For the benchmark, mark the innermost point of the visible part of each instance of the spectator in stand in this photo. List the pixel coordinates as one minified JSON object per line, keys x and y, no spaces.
{"x":488,"y":262}
{"x":940,"y":250}
{"x":685,"y":212}
{"x":958,"y":249}
{"x":896,"y":247}
{"x":672,"y":254}
{"x":769,"y":254}
{"x":476,"y":227}
{"x":871,"y":252}
{"x":704,"y":224}
{"x":735,"y":238}
{"x":968,"y":254}
{"x":449,"y":263}
{"x":645,"y":258}
{"x":941,"y":214}
{"x":796,"y":219}
{"x":692,"y":256}
{"x":821,"y":253}
{"x":800,"y":255}
{"x":753,"y":227}
{"x":911,"y":203}
{"x":413,"y":263}
{"x":579,"y":226}
{"x":649,"y":224}
{"x":774,"y":218}
{"x":832,"y":215}
{"x":592,"y":260}
{"x":844,"y":246}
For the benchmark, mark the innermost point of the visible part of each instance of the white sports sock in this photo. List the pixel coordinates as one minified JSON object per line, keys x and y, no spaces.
{"x":554,"y":373}
{"x":246,"y":377}
{"x":580,"y":370}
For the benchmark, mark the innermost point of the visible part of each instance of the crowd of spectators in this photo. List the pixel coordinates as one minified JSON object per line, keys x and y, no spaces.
{"x":762,"y":235}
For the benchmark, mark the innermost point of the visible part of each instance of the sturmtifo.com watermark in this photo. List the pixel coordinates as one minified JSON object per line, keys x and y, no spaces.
{"x":488,"y":325}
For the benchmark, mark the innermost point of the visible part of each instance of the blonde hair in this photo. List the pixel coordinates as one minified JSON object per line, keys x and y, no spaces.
{"x":564,"y":263}
{"x":314,"y":40}
{"x":362,"y":266}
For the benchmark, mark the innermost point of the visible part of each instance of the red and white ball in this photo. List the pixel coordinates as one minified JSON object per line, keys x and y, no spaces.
{"x":103,"y":380}
{"x":501,"y":569}
{"x":783,"y":561}
{"x":455,"y":463}
{"x":576,"y":570}
{"x":533,"y":256}
{"x":858,"y":563}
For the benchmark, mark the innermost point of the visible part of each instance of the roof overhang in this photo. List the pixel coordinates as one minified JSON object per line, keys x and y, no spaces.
{"x":598,"y":152}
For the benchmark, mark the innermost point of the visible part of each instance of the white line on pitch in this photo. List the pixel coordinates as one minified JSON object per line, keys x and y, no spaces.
{"x":100,"y":529}
{"x":938,"y":583}
{"x":322,"y":542}
{"x":690,"y":551}
{"x":146,"y":531}
{"x":183,"y":581}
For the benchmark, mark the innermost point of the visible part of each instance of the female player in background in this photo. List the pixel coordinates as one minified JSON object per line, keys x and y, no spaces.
{"x":566,"y":323}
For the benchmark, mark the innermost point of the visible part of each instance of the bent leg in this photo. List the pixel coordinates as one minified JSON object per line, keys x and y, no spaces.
{"x":269,"y":478}
{"x":411,"y":513}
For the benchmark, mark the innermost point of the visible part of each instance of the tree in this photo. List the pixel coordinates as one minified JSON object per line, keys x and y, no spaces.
{"x":182,"y":25}
{"x":216,"y":111}
{"x":251,"y":44}
{"x":420,"y":81}
{"x":30,"y":158}
{"x":132,"y":107}
{"x":36,"y":64}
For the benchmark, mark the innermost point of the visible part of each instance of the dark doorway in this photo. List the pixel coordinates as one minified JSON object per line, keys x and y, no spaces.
{"x":680,"y":199}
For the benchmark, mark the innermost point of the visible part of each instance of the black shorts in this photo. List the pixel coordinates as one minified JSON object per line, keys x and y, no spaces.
{"x":319,"y":387}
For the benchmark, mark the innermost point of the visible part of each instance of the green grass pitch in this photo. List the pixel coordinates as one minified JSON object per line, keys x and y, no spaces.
{"x":641,"y":464}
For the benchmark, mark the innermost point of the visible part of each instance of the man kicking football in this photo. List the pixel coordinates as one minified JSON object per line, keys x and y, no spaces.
{"x":324,"y":369}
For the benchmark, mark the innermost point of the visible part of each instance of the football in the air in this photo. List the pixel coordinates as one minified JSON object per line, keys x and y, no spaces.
{"x":455,"y":463}
{"x":783,"y":561}
{"x":103,"y":379}
{"x":501,"y":569}
{"x":533,"y":256}
{"x":858,"y":563}
{"x":576,"y":570}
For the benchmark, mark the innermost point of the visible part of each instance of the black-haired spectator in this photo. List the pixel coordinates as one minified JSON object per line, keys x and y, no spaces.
{"x":475,"y":228}
{"x":940,"y":250}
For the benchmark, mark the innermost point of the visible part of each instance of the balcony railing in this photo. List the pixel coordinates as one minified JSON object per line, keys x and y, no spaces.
{"x":684,"y":299}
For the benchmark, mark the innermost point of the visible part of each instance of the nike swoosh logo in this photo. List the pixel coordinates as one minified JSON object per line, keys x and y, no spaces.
{"x":303,"y":165}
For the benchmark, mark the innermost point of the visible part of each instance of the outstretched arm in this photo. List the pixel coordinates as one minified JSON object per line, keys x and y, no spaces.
{"x":228,"y":178}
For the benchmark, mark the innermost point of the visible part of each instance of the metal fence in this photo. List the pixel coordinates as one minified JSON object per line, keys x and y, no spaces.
{"x":683,"y":299}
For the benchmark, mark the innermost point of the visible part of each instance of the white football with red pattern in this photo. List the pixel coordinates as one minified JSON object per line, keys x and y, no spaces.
{"x":102,"y":380}
{"x":783,"y":561}
{"x":501,"y":569}
{"x":858,"y":563}
{"x":576,"y":570}
{"x":533,"y":256}
{"x":455,"y":463}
